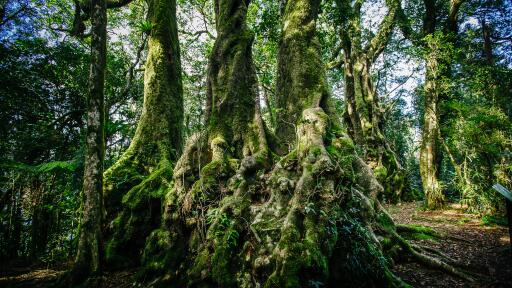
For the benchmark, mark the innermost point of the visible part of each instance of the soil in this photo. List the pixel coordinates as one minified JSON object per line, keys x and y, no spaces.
{"x":482,"y":249}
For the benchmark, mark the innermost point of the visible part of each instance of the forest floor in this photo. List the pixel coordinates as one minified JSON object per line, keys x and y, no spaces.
{"x":482,"y":248}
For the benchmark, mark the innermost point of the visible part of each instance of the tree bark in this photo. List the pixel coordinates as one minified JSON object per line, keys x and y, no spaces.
{"x":486,"y":35}
{"x":363,"y":114}
{"x":235,"y":134}
{"x":232,"y":83}
{"x":88,"y":260}
{"x":438,"y":68}
{"x":301,"y":82}
{"x":136,"y":184}
{"x":429,"y":150}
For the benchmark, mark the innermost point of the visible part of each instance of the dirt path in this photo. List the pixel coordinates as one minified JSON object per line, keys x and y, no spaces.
{"x":482,"y":248}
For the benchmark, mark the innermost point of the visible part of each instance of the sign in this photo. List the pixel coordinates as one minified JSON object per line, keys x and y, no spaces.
{"x":508,"y":195}
{"x":503,"y":191}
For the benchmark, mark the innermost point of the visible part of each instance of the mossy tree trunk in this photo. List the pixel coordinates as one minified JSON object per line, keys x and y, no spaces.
{"x":363,"y":112}
{"x":88,"y":260}
{"x":235,"y":134}
{"x":135,"y":185}
{"x":299,"y":83}
{"x":231,"y":84}
{"x":438,"y":44}
{"x":236,"y":219}
{"x":232,"y":221}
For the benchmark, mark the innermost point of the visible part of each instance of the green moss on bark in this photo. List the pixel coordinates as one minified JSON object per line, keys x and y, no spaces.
{"x":235,"y":221}
{"x":135,"y":185}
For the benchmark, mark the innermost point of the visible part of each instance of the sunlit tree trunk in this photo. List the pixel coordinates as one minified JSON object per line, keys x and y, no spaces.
{"x":438,"y":63}
{"x":429,"y":151}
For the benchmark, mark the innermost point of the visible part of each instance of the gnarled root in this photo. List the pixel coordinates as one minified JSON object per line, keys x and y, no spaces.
{"x":309,"y":221}
{"x":430,"y":261}
{"x":242,"y":225}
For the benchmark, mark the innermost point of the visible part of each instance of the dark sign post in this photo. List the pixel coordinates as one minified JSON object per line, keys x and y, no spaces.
{"x":508,"y":200}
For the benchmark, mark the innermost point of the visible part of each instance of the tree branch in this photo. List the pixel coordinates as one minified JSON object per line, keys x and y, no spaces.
{"x":379,"y":41}
{"x":451,"y":22}
{"x":117,"y":3}
{"x":404,"y":24}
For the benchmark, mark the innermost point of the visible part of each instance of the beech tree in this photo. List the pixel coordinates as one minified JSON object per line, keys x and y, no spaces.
{"x":135,"y":184}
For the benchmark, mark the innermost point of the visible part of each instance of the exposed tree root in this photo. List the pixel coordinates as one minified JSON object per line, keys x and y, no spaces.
{"x":429,"y":261}
{"x":246,"y":226}
{"x":402,"y":228}
{"x":438,"y":253}
{"x":242,"y":225}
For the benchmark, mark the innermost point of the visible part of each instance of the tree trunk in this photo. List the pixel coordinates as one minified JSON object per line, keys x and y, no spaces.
{"x":430,"y":135}
{"x":365,"y":124}
{"x":299,"y":83}
{"x":136,"y":184}
{"x":87,"y":261}
{"x":231,"y":84}
{"x":486,"y":35}
{"x":438,"y":62}
{"x":363,"y":114}
{"x":235,"y":134}
{"x":229,"y":220}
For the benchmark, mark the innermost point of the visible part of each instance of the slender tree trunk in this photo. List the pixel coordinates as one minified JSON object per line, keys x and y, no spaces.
{"x":429,"y":150}
{"x":135,"y":185}
{"x":486,"y":35}
{"x":88,"y":260}
{"x":438,"y":68}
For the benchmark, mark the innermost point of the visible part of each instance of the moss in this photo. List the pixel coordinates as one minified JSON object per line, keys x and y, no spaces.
{"x":422,"y":236}
{"x":381,"y":172}
{"x":201,"y":266}
{"x":153,"y":186}
{"x":161,"y":257}
{"x":140,"y":214}
{"x":384,"y":221}
{"x":158,"y":241}
{"x":418,"y":230}
{"x":118,"y":181}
